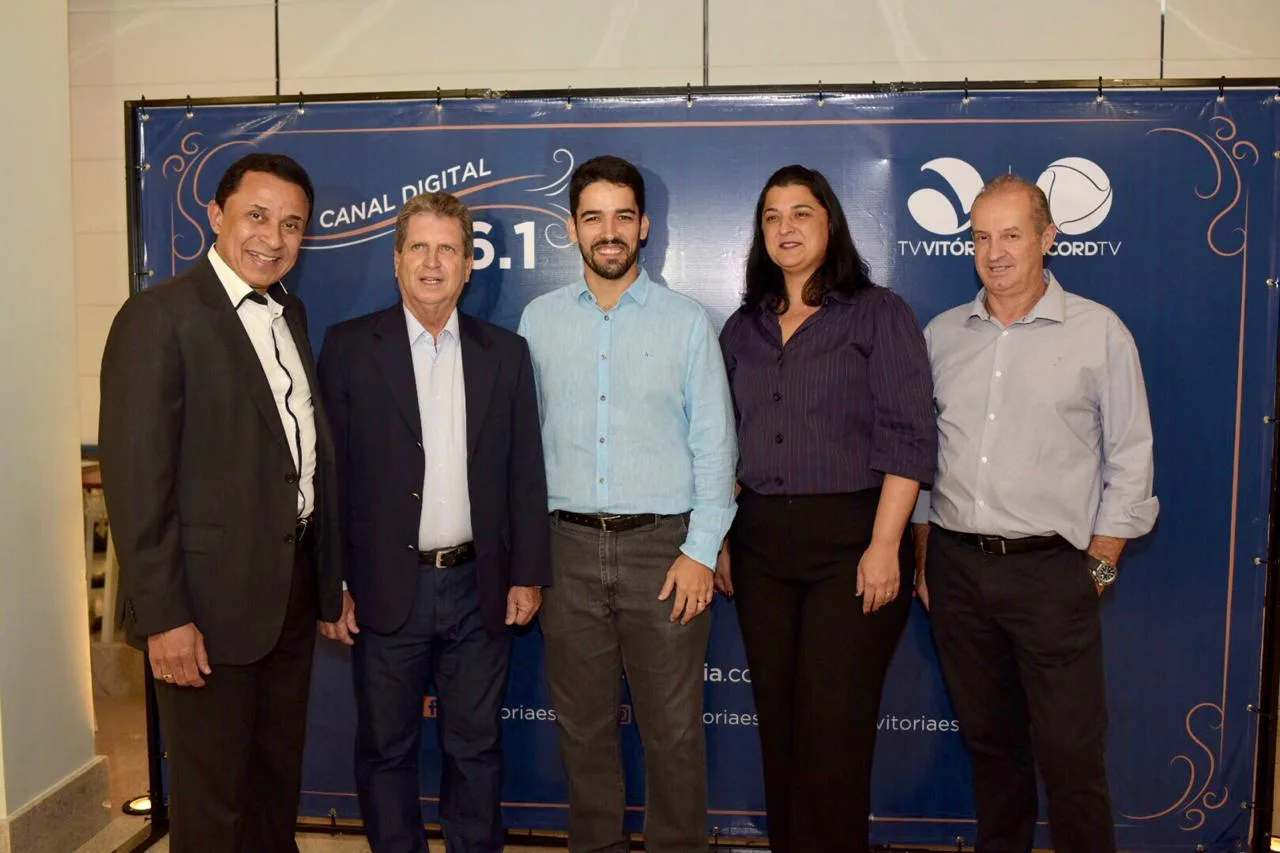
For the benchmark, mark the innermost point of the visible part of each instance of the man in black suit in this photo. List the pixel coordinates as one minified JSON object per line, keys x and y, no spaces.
{"x":435,"y":418}
{"x":220,"y":483}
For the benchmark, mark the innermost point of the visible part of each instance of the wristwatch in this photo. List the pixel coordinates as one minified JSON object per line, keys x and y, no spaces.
{"x":1104,"y":573}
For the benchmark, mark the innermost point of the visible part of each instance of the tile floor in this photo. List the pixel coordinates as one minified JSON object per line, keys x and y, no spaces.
{"x":121,"y":736}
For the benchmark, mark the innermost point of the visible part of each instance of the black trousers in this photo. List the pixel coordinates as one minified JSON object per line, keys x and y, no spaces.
{"x":444,"y":643}
{"x":235,"y":745}
{"x":1020,"y":642}
{"x":817,"y":663}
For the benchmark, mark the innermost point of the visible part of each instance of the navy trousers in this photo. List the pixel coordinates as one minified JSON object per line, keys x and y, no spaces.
{"x":444,"y":644}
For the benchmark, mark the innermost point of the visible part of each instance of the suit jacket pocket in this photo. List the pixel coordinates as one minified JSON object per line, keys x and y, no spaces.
{"x":202,"y":538}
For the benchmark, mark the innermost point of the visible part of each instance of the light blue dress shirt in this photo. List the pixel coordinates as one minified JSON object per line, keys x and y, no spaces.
{"x":1042,"y":424}
{"x":635,"y":408}
{"x":442,"y":406}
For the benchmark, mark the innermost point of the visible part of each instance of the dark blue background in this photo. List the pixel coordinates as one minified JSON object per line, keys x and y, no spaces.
{"x":1183,"y":627}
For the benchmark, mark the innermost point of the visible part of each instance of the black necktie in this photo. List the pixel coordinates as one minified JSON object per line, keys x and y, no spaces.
{"x":255,"y":296}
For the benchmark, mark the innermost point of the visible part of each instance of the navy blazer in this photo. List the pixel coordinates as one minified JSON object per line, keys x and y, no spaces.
{"x":366,"y":377}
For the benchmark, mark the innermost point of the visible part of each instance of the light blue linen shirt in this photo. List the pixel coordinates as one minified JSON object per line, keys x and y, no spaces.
{"x":635,"y":408}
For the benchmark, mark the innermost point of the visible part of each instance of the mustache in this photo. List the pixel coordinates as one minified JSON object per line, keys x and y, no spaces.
{"x":602,"y":243}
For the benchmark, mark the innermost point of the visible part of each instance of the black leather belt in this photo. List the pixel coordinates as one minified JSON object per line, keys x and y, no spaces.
{"x":606,"y":522}
{"x":301,"y":530}
{"x":998,"y":546}
{"x":447,"y":558}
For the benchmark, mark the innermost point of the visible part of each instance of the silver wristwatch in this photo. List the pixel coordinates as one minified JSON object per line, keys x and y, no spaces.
{"x":1104,"y":573}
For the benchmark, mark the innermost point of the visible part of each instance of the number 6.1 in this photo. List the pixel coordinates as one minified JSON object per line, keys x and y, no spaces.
{"x":484,"y":253}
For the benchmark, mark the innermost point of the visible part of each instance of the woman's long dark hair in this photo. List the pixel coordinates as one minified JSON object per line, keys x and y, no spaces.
{"x":843,"y":270}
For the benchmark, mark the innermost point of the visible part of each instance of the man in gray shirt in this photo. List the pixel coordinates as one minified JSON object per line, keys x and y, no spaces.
{"x":1044,"y":473}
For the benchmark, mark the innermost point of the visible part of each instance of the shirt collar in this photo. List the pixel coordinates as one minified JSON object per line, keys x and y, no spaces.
{"x":417,"y":330}
{"x":768,"y":305}
{"x":237,"y":288}
{"x":638,"y":291}
{"x":1051,"y":306}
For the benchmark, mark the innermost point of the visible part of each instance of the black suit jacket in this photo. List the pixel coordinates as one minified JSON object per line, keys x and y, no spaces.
{"x":200,"y":483}
{"x":366,"y":375}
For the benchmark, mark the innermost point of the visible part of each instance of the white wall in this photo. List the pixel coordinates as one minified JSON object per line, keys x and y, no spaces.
{"x":46,"y":705}
{"x":121,"y":49}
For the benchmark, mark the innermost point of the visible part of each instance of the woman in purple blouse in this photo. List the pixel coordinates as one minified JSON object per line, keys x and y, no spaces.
{"x":834,"y":404}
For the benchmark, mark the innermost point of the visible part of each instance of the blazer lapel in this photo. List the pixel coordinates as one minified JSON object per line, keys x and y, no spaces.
{"x":248,"y":367}
{"x":295,"y":317}
{"x":479,"y":370}
{"x":394,"y":358}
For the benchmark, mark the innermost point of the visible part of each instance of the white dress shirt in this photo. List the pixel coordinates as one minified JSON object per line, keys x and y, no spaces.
{"x":442,"y":407}
{"x":1042,"y":424}
{"x":273,"y":342}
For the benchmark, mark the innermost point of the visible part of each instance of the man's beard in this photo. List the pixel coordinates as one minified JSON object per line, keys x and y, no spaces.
{"x":613,"y":269}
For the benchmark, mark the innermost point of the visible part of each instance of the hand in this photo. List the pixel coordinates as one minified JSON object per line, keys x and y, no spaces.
{"x":878,"y":573}
{"x":1107,"y":549}
{"x":346,"y":624}
{"x":692,"y":584}
{"x":522,"y":604}
{"x":723,"y":579}
{"x":178,"y":657}
{"x":920,"y":536}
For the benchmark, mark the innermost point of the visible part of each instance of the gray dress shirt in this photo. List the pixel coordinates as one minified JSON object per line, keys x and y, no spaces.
{"x":1042,"y":425}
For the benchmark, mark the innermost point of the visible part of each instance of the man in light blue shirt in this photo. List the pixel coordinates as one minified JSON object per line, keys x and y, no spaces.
{"x":1045,"y":471}
{"x":638,"y":435}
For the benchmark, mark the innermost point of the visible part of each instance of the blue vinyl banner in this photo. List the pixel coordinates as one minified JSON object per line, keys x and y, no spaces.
{"x":1167,"y":208}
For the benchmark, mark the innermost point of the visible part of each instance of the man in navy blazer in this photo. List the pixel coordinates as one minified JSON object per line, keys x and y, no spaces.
{"x":443,"y":507}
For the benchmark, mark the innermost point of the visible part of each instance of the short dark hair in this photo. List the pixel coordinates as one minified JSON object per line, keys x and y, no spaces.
{"x":843,"y":270}
{"x":613,"y":170}
{"x":280,"y":165}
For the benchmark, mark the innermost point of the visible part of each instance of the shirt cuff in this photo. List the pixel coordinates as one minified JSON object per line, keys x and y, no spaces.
{"x":701,"y":547}
{"x":924,"y":504}
{"x":920,"y":470}
{"x":1128,"y":521}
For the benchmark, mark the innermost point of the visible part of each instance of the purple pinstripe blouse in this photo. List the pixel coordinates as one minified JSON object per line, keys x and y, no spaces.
{"x":846,"y":401}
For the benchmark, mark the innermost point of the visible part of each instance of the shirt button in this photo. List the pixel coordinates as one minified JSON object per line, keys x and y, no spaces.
{"x":984,"y":460}
{"x":415,"y":496}
{"x":419,"y":445}
{"x":602,"y":481}
{"x":1005,"y":333}
{"x":777,"y":396}
{"x":602,"y":439}
{"x":411,"y":547}
{"x":999,"y":374}
{"x":991,"y":416}
{"x":604,"y":357}
{"x":777,"y":439}
{"x":606,"y":318}
{"x":601,"y":398}
{"x":982,"y":503}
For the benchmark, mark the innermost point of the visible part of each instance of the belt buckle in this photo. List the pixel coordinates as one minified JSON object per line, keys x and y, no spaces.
{"x":301,"y":529}
{"x":439,"y":561}
{"x":984,"y":546}
{"x":606,"y":521}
